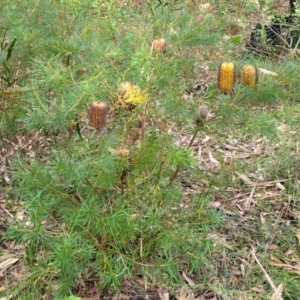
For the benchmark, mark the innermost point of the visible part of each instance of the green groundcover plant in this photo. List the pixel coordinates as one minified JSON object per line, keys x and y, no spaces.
{"x":105,"y":202}
{"x":87,"y":208}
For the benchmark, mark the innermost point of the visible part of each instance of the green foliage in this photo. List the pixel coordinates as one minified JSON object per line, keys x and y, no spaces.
{"x":104,"y":229}
{"x":70,"y":298}
{"x":89,"y":208}
{"x":6,"y":49}
{"x":8,"y":70}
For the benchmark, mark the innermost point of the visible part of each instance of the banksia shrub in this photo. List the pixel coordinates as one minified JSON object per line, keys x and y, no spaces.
{"x":159,"y":45}
{"x":130,"y":95}
{"x":249,"y":75}
{"x":226,"y":77}
{"x":98,"y":115}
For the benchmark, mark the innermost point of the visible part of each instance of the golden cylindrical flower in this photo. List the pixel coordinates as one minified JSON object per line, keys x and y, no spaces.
{"x":226,"y":77}
{"x":249,"y":75}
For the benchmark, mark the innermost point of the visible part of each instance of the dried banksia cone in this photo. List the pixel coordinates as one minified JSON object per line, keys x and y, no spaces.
{"x":82,"y":71}
{"x":134,"y":135}
{"x":226,"y":77}
{"x":203,"y":111}
{"x":121,"y":152}
{"x":159,"y":45}
{"x":98,"y":115}
{"x":202,"y":115}
{"x":249,"y":75}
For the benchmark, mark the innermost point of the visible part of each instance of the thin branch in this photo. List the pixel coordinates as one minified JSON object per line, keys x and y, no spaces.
{"x":95,"y":190}
{"x":264,"y":271}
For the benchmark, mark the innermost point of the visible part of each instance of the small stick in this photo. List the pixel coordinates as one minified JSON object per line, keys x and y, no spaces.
{"x":172,"y":178}
{"x":264,"y":271}
{"x":6,"y":211}
{"x":193,"y":138}
{"x":96,"y":190}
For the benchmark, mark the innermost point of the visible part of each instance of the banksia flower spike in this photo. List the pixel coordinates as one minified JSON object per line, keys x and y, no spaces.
{"x":98,"y":115}
{"x":249,"y":75}
{"x":130,"y":95}
{"x":226,"y":77}
{"x":159,"y":45}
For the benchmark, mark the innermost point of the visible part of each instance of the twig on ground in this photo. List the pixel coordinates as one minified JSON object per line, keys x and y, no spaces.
{"x":264,"y":271}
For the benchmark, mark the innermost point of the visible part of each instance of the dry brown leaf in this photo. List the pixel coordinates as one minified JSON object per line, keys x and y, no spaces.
{"x":244,"y":155}
{"x":219,"y":240}
{"x":277,"y":295}
{"x":267,"y":72}
{"x":7,"y":263}
{"x":163,"y":295}
{"x":20,"y":215}
{"x":243,"y":269}
{"x":280,"y":186}
{"x":213,"y":160}
{"x":262,"y":219}
{"x":258,"y":290}
{"x":215,"y":204}
{"x":293,"y":269}
{"x":298,"y":236}
{"x":183,"y":294}
{"x":245,"y":178}
{"x":188,"y":280}
{"x":270,"y":195}
{"x":263,"y":270}
{"x":247,"y":202}
{"x":186,"y":294}
{"x":2,"y":288}
{"x":275,"y":260}
{"x":273,"y":247}
{"x":18,"y":274}
{"x":289,"y":252}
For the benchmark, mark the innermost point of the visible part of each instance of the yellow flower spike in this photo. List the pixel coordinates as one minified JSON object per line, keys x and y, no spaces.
{"x":249,"y":76}
{"x":130,"y":95}
{"x":226,"y":77}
